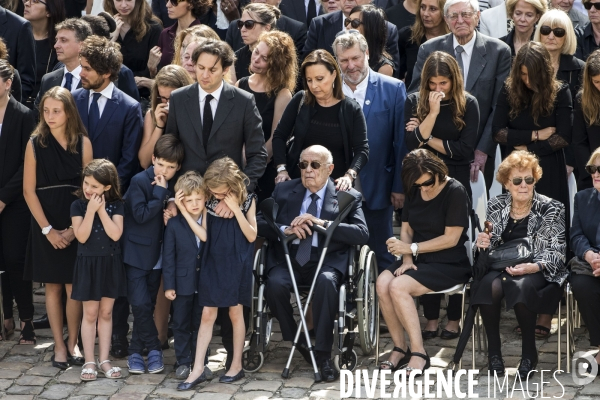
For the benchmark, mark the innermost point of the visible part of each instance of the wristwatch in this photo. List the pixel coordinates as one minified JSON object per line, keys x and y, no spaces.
{"x":415,"y":249}
{"x":281,"y":168}
{"x":46,"y":230}
{"x":352,"y":173}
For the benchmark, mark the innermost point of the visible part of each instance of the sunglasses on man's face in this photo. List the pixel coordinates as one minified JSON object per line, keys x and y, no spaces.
{"x":313,"y":164}
{"x":354,"y":23}
{"x":592,"y":169}
{"x":248,"y":24}
{"x":558,"y":32}
{"x":518,"y":180}
{"x":427,"y":183}
{"x":588,"y":6}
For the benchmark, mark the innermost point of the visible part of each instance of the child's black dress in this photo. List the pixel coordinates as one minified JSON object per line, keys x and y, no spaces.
{"x":99,"y":270}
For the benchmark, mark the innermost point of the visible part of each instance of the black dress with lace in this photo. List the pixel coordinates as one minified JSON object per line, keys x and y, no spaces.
{"x":518,"y":131}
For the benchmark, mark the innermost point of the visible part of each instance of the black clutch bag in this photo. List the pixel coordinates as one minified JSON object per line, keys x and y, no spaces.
{"x":511,"y":253}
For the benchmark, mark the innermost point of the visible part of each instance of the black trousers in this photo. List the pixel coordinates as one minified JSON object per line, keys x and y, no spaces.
{"x":15,"y":288}
{"x":325,"y":300}
{"x":586,"y":290}
{"x":142,"y":289}
{"x":431,"y":306}
{"x":120,"y":316}
{"x":185,"y":323}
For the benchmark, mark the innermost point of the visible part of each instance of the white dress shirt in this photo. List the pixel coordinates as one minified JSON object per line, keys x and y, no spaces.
{"x":466,"y":55}
{"x":361,"y":90}
{"x":105,"y":95}
{"x":75,"y":80}
{"x":304,"y":208}
{"x":213,"y":103}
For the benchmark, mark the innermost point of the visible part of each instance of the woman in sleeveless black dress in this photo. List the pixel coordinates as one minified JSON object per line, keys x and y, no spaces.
{"x":54,"y":158}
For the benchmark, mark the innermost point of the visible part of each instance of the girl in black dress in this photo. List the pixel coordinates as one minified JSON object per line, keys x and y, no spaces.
{"x":444,"y":119}
{"x":56,"y":153}
{"x":99,"y":276}
{"x":274,"y":69}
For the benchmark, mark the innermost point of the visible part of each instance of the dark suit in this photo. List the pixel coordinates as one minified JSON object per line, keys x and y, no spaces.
{"x":17,"y":126}
{"x":297,"y":30}
{"x":350,"y":232}
{"x":296,"y":9}
{"x":237,"y":123}
{"x":50,"y":80}
{"x":181,"y":266}
{"x":18,"y":36}
{"x":490,"y":65}
{"x":323,"y":29}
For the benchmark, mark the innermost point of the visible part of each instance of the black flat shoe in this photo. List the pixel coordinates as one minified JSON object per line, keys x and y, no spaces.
{"x":75,"y":360}
{"x":448,"y":335}
{"x":525,"y":366}
{"x":60,"y":364}
{"x":496,"y":364}
{"x":189,"y":385}
{"x":429,"y":334}
{"x":42,"y":322}
{"x":401,"y":363}
{"x":328,"y":372}
{"x":231,"y":379}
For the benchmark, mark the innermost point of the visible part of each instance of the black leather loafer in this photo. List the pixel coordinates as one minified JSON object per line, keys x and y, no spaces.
{"x":60,"y":364}
{"x":525,"y":366}
{"x":119,"y":346}
{"x":429,"y":334}
{"x":496,"y":364}
{"x":75,"y":360}
{"x":328,"y":371}
{"x":448,"y":335}
{"x":231,"y":379}
{"x":189,"y":385}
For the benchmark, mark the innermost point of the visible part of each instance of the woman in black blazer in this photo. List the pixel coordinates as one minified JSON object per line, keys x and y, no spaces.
{"x":321,"y":115}
{"x":16,"y":124}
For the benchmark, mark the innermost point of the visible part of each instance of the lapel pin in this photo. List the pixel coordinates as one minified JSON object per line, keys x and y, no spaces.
{"x":368,"y":102}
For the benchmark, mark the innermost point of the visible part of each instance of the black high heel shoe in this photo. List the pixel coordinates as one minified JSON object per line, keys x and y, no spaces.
{"x":427,"y":364}
{"x":401,"y":363}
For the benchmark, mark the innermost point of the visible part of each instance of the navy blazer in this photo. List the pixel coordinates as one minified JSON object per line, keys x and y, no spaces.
{"x":18,"y":36}
{"x":586,"y":220}
{"x":384,"y":113}
{"x":143,"y":226}
{"x":119,"y":131}
{"x":181,"y":257}
{"x":351,"y":231}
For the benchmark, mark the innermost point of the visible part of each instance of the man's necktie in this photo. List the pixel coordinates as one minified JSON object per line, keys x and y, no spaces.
{"x":459,"y":50}
{"x":312,"y":12}
{"x":93,"y":116}
{"x":68,"y":81}
{"x":207,"y":120}
{"x":305,"y":246}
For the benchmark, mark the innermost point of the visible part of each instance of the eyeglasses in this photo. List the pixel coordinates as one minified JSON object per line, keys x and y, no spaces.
{"x":164,"y":98}
{"x":248,"y":24}
{"x":355,"y":23}
{"x":588,"y":6}
{"x":466,"y":15}
{"x":592,"y":169}
{"x":528,"y":180}
{"x":34,"y":2}
{"x":558,"y":32}
{"x":313,"y":164}
{"x":427,"y":183}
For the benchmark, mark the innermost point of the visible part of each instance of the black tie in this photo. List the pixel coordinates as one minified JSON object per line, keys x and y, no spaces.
{"x":312,"y":12}
{"x":68,"y":81}
{"x":305,"y":246}
{"x":93,"y":116}
{"x":207,"y":120}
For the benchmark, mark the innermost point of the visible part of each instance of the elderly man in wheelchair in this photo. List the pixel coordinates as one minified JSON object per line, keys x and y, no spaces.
{"x":304,"y":205}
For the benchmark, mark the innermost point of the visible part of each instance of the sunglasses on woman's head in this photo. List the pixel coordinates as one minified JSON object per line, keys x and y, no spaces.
{"x":588,"y":6}
{"x":558,"y":32}
{"x":528,"y":180}
{"x":592,"y":169}
{"x":427,"y":183}
{"x":354,"y":23}
{"x":249,"y":23}
{"x":313,"y":164}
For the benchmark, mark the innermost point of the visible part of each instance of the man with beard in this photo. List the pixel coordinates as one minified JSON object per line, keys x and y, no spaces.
{"x":382,"y":100}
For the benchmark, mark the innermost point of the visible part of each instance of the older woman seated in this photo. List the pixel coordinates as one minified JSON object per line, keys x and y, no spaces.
{"x":585,"y":267}
{"x":529,"y":288}
{"x":435,"y":219}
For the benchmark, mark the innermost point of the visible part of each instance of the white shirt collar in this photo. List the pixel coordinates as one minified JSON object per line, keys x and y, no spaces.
{"x":107,"y":92}
{"x":360,"y":92}
{"x":320,"y":193}
{"x":468,"y":47}
{"x":75,"y":72}
{"x":216,"y":94}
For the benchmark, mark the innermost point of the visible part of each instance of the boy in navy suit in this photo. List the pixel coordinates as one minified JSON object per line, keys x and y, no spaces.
{"x":184,"y":235}
{"x":142,"y":244}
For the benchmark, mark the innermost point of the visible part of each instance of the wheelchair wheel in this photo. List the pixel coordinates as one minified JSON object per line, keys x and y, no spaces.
{"x":254,"y":303}
{"x":369,"y":304}
{"x":252,"y":362}
{"x":347,"y":361}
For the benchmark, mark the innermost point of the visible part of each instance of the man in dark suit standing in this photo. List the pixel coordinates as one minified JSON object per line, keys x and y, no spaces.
{"x":114,"y":124}
{"x":300,"y":10}
{"x":18,"y":36}
{"x":304,"y":202}
{"x":323,"y":29}
{"x":485,"y":63}
{"x":382,"y":100}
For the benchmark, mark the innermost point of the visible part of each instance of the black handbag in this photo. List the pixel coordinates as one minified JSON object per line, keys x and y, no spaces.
{"x":511,"y":253}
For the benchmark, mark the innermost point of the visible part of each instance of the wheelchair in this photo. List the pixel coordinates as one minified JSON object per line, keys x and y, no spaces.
{"x":358,"y":311}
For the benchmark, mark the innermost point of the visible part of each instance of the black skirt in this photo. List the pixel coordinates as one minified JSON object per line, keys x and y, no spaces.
{"x":96,"y":277}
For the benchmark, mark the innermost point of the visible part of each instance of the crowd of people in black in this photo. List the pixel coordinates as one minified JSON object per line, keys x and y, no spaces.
{"x":137,"y":145}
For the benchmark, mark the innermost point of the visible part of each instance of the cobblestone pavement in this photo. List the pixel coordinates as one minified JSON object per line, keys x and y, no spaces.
{"x":26,"y":372}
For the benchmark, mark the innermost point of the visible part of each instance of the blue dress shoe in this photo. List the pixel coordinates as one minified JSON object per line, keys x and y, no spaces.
{"x":231,"y":379}
{"x":190,"y":385}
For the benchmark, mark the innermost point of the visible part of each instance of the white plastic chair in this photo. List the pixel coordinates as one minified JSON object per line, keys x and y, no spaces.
{"x":496,"y":187}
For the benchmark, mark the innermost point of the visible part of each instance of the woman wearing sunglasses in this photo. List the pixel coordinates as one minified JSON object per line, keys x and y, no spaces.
{"x":530,"y":288}
{"x":442,"y":118}
{"x":524,"y":14}
{"x":429,"y":24}
{"x":586,"y":120}
{"x":585,"y":267}
{"x":256,"y":19}
{"x":370,"y":22}
{"x":431,"y":253}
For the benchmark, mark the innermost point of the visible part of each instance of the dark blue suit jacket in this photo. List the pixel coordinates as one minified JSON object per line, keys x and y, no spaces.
{"x":18,"y":36}
{"x":384,"y":113}
{"x":119,"y":131}
{"x":181,"y":257}
{"x":586,"y":219}
{"x":143,"y":225}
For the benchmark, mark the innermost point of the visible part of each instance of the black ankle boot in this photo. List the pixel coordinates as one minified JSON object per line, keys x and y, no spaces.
{"x":496,"y":364}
